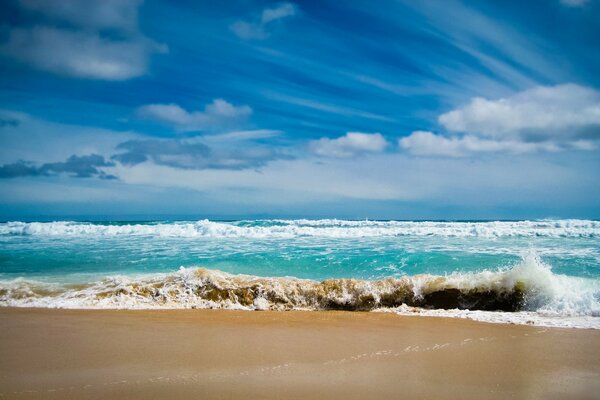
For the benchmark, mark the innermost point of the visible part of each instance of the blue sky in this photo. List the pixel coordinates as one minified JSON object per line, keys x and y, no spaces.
{"x":359,"y":109}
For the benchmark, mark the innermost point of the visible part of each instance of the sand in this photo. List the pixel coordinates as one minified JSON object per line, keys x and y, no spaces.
{"x":217,"y":354}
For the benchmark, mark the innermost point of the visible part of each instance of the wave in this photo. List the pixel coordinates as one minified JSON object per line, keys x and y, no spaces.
{"x":282,"y":229}
{"x":528,"y":287}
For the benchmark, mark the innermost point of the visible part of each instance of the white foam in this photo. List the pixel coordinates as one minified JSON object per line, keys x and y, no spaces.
{"x":311,"y":228}
{"x":499,"y":317}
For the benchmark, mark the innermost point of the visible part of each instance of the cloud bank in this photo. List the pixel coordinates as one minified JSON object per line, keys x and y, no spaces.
{"x":538,"y":113}
{"x":544,"y":118}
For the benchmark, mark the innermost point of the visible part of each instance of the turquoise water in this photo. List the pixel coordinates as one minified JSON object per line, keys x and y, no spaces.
{"x":90,"y":250}
{"x":63,"y":253}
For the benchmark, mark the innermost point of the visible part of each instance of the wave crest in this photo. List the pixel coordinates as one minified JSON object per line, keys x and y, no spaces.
{"x":286,"y":229}
{"x":529,"y":286}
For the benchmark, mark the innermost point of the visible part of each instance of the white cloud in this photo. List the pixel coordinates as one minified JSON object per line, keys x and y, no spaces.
{"x":215,"y":114}
{"x":79,"y":54}
{"x":541,"y":112}
{"x":352,"y":143}
{"x":574,"y":3}
{"x":82,"y":49}
{"x":544,"y":118}
{"x":425,"y":143}
{"x":257,"y":30}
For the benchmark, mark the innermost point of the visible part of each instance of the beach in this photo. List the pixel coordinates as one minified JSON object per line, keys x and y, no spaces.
{"x":240,"y":200}
{"x":225,"y":354}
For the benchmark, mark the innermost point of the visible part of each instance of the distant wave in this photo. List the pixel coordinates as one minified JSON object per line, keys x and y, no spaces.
{"x":310,"y":228}
{"x":528,"y":290}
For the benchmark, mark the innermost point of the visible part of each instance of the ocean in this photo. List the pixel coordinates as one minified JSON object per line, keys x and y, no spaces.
{"x":543,"y":272}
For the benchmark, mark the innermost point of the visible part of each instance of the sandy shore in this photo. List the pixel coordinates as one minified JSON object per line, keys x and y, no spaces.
{"x":204,"y":354}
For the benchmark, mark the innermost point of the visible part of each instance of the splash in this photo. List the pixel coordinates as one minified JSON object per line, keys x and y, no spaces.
{"x":529,"y":287}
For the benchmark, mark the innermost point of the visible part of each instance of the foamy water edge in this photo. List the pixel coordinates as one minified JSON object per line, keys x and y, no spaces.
{"x":529,"y":293}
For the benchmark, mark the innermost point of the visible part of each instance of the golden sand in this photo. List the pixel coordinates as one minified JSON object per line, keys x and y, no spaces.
{"x":217,"y":354}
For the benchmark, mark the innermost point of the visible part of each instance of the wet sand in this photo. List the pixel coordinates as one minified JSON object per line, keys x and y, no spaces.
{"x":213,"y":354}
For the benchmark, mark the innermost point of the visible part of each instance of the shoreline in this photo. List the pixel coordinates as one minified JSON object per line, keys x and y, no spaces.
{"x":57,"y":353}
{"x":518,"y":318}
{"x":499,"y":296}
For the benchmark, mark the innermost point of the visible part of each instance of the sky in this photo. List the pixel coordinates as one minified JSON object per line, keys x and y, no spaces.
{"x":436,"y":109}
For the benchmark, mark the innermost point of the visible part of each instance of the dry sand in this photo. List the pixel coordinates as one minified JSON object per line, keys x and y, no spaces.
{"x":205,"y":354}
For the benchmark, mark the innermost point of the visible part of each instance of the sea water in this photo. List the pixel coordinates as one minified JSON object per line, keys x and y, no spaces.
{"x":544,"y":272}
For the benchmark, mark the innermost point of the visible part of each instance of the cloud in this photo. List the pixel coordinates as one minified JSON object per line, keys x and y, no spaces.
{"x":257,"y":30}
{"x":100,"y":40}
{"x":424,"y":143}
{"x":352,"y":143}
{"x":544,"y":118}
{"x":566,"y":110}
{"x":195,"y":154}
{"x":215,"y":114}
{"x":87,"y":166}
{"x":48,"y":144}
{"x":79,"y":54}
{"x":574,"y":3}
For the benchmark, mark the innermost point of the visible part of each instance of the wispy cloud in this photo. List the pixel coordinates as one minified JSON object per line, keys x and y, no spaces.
{"x":502,"y":51}
{"x":215,"y":115}
{"x":326,"y":107}
{"x":259,"y":29}
{"x":235,"y":136}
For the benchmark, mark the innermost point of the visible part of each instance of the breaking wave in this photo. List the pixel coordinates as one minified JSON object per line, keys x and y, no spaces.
{"x":529,"y":289}
{"x":310,"y":228}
